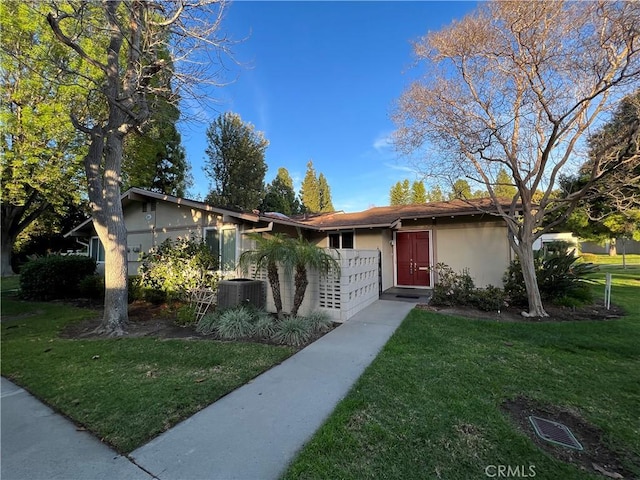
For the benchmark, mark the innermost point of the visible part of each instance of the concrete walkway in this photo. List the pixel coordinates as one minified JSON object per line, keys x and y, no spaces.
{"x":252,"y":433}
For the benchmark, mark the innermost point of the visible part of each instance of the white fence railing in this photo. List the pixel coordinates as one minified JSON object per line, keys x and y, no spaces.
{"x":339,"y":295}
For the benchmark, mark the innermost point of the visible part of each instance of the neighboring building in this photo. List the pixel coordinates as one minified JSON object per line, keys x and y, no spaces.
{"x":566,"y":237}
{"x":379,"y":248}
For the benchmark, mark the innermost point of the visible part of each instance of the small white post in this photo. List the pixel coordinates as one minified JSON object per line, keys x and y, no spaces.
{"x":607,"y":291}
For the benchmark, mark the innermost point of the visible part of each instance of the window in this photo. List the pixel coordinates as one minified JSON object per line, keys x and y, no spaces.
{"x":341,"y":239}
{"x":96,"y":250}
{"x":223,"y":244}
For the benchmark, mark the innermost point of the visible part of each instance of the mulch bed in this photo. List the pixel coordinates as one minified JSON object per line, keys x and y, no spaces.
{"x":511,"y":314}
{"x":595,"y":456}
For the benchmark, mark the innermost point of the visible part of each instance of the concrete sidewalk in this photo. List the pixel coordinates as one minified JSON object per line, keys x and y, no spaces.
{"x":37,"y":443}
{"x":252,"y":433}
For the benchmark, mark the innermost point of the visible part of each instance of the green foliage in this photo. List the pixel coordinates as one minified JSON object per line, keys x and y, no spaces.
{"x":293,"y":330}
{"x":315,"y":193}
{"x":452,"y":288}
{"x":558,"y":274}
{"x":41,"y":161}
{"x":400,"y":193}
{"x":265,"y":326}
{"x":92,"y":286}
{"x":435,"y":195}
{"x":280,"y":195}
{"x":186,"y":315}
{"x":178,"y":268}
{"x":235,"y":323}
{"x":208,"y":323}
{"x":55,"y":276}
{"x":235,"y":162}
{"x":489,"y":299}
{"x":326,"y":204}
{"x":154,"y":159}
{"x":418,"y":193}
{"x":319,"y":322}
{"x":135,"y":290}
{"x":504,"y":187}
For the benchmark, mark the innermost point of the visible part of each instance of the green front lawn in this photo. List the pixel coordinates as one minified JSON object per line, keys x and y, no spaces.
{"x":630,"y":259}
{"x":128,"y":390}
{"x":430,"y":404}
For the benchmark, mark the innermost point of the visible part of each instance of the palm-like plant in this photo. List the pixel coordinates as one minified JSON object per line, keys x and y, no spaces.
{"x":269,"y":252}
{"x":307,"y":255}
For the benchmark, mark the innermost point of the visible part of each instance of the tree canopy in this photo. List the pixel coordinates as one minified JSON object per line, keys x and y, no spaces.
{"x":41,"y":161}
{"x":315,"y":193}
{"x":116,"y":52}
{"x":280,"y":195}
{"x":517,"y":86}
{"x":235,"y":162}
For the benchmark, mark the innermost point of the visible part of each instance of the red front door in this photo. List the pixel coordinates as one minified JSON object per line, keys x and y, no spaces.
{"x":412,"y":249}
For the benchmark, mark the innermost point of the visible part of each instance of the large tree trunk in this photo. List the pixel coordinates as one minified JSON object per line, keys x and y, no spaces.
{"x":536,"y":309}
{"x":108,"y":220}
{"x":6,"y":247}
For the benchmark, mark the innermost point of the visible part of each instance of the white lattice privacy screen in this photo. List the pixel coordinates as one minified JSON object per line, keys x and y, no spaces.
{"x":341,"y":296}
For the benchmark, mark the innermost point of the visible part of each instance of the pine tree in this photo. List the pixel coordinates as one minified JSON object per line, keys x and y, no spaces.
{"x":326,"y":204}
{"x":310,"y":190}
{"x":236,"y":162}
{"x":400,"y":193}
{"x":418,"y":193}
{"x":280,"y":196}
{"x":504,"y":187}
{"x":435,"y":195}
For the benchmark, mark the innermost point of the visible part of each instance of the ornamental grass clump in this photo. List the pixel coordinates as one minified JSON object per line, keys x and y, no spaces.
{"x":207,"y":324}
{"x":265,"y":326}
{"x":236,"y":323}
{"x":294,"y":331}
{"x":319,"y":322}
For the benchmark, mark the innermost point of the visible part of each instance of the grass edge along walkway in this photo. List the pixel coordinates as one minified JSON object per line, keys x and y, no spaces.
{"x":429,"y":405}
{"x":126,"y":391}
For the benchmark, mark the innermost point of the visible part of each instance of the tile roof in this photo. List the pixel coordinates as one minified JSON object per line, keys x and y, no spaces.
{"x":386,"y":216}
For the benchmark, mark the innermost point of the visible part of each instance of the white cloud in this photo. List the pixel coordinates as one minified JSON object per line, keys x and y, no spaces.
{"x":383,"y":142}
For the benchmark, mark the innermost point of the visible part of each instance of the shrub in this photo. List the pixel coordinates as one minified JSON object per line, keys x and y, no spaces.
{"x":186,"y":315}
{"x":92,"y":286}
{"x":265,"y":326}
{"x":55,"y":276}
{"x":319,"y":322}
{"x":154,"y":295}
{"x":235,"y":323}
{"x":559,"y":274}
{"x":178,"y":268}
{"x":134,"y":288}
{"x":207,"y":324}
{"x":489,"y":299}
{"x":293,"y":331}
{"x":452,"y":288}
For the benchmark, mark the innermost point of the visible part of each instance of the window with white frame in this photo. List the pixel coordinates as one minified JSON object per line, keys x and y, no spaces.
{"x":222,"y":243}
{"x":96,"y":250}
{"x":341,"y":239}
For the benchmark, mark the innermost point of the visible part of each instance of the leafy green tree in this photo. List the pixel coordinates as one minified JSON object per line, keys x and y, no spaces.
{"x":504,"y":187}
{"x":400,"y":193}
{"x":611,"y":207}
{"x":41,"y":161}
{"x":280,"y":195}
{"x":435,"y":195}
{"x":460,"y":189}
{"x":235,"y":162}
{"x":326,"y":204}
{"x":518,"y":85}
{"x":154,"y":158}
{"x":310,"y":190}
{"x":418,"y":193}
{"x":116,"y":52}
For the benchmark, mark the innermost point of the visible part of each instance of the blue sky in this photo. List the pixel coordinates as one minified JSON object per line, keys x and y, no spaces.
{"x":320,"y":79}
